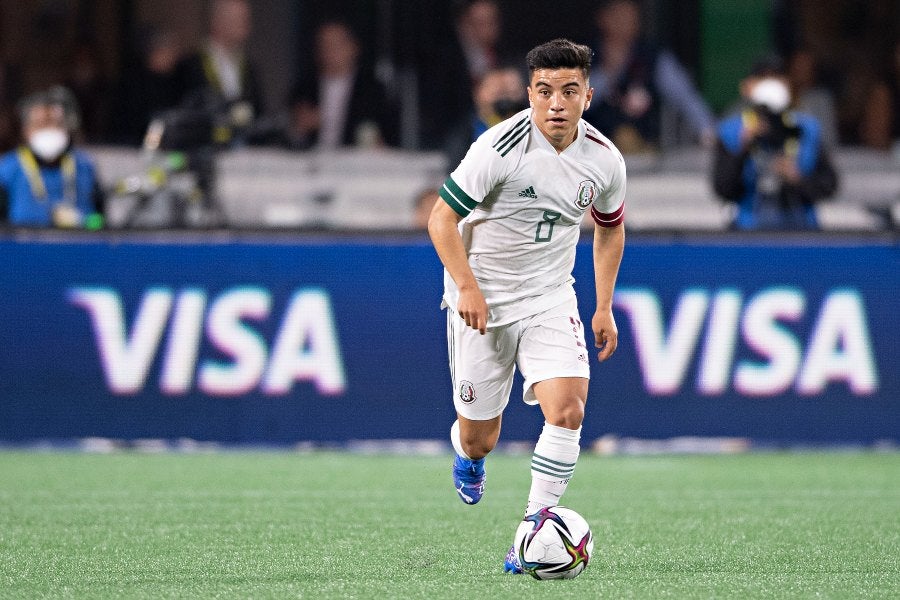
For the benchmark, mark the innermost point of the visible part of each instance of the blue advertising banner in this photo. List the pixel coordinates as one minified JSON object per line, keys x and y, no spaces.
{"x":266,"y":340}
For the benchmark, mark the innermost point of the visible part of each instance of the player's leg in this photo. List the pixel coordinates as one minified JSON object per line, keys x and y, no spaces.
{"x":472,"y":440}
{"x":554,"y":360}
{"x":475,"y":439}
{"x":482,"y":370}
{"x":562,"y":401}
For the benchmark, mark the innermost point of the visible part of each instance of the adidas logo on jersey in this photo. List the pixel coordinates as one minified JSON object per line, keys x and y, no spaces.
{"x":528,"y":193}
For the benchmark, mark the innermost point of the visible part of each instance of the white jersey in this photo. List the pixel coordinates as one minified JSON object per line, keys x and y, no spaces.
{"x":522,"y":204}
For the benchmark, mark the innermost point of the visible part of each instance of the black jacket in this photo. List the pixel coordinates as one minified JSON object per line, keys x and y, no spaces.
{"x":368,"y":104}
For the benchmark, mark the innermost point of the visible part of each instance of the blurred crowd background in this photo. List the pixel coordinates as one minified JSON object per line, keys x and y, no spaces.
{"x":276,"y":85}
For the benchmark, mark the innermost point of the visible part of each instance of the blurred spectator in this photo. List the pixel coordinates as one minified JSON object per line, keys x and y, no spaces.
{"x":422,"y":206}
{"x":220,"y":76}
{"x":88,"y":83}
{"x":451,"y":65}
{"x":342,"y":105}
{"x":149,"y":85}
{"x":810,"y":96}
{"x":47,"y":182}
{"x":478,"y":29}
{"x":770,"y":160}
{"x":633,"y":79}
{"x":497,"y":96}
{"x":880,"y":127}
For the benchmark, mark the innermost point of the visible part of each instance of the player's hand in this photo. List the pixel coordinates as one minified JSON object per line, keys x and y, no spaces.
{"x":472,"y":307}
{"x":606,"y":335}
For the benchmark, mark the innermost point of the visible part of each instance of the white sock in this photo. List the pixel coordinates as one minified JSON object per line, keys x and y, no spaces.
{"x":454,"y":439}
{"x":552,"y":465}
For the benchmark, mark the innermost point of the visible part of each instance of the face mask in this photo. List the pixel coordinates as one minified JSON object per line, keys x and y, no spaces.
{"x":772,"y":94}
{"x":49,"y":143}
{"x":507,"y":107}
{"x":504,"y":109}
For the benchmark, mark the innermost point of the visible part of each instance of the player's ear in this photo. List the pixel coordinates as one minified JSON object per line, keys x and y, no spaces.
{"x":588,"y":97}
{"x":530,"y":97}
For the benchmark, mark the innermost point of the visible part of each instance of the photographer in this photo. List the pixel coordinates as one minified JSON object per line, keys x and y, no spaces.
{"x":47,"y":181}
{"x":770,"y":160}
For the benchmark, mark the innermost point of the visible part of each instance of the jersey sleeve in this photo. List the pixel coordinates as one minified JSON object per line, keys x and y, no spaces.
{"x":479,"y":172}
{"x":608,"y":210}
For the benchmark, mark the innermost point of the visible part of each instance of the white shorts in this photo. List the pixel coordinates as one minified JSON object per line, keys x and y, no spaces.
{"x":545,"y":346}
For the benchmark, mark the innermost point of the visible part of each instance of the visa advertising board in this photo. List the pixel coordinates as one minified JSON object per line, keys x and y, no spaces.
{"x":277,"y":341}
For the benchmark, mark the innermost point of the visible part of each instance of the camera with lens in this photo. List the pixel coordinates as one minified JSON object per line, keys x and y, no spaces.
{"x":779,"y":127}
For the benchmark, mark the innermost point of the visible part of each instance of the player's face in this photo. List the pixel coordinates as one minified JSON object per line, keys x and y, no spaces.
{"x":559,"y":97}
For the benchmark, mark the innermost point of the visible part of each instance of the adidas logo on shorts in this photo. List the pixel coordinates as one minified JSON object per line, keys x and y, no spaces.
{"x":528,"y":192}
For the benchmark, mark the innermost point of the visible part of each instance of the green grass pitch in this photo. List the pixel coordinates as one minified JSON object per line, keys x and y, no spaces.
{"x":341,"y":525}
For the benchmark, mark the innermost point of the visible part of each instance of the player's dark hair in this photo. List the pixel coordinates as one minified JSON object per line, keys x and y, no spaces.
{"x":560,"y":54}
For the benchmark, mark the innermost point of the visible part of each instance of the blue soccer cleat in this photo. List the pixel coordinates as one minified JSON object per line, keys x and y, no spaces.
{"x":512,"y":564}
{"x":468,"y":479}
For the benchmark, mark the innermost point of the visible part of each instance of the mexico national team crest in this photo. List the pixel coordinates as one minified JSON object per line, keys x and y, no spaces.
{"x":467,"y":392}
{"x":587,"y":191}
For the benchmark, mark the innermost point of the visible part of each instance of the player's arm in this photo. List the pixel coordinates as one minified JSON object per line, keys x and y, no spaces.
{"x":444,"y":231}
{"x":609,"y":244}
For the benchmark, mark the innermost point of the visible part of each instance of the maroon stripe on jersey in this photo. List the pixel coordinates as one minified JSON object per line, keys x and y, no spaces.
{"x":608,"y":219}
{"x":598,"y":140}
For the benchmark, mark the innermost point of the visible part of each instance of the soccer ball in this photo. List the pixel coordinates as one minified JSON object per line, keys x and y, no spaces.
{"x":554,"y":543}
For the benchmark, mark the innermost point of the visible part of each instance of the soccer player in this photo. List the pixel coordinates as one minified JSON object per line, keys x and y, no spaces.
{"x":506,"y":233}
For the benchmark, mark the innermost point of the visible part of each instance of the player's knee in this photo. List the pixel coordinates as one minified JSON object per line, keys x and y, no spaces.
{"x":568,"y":415}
